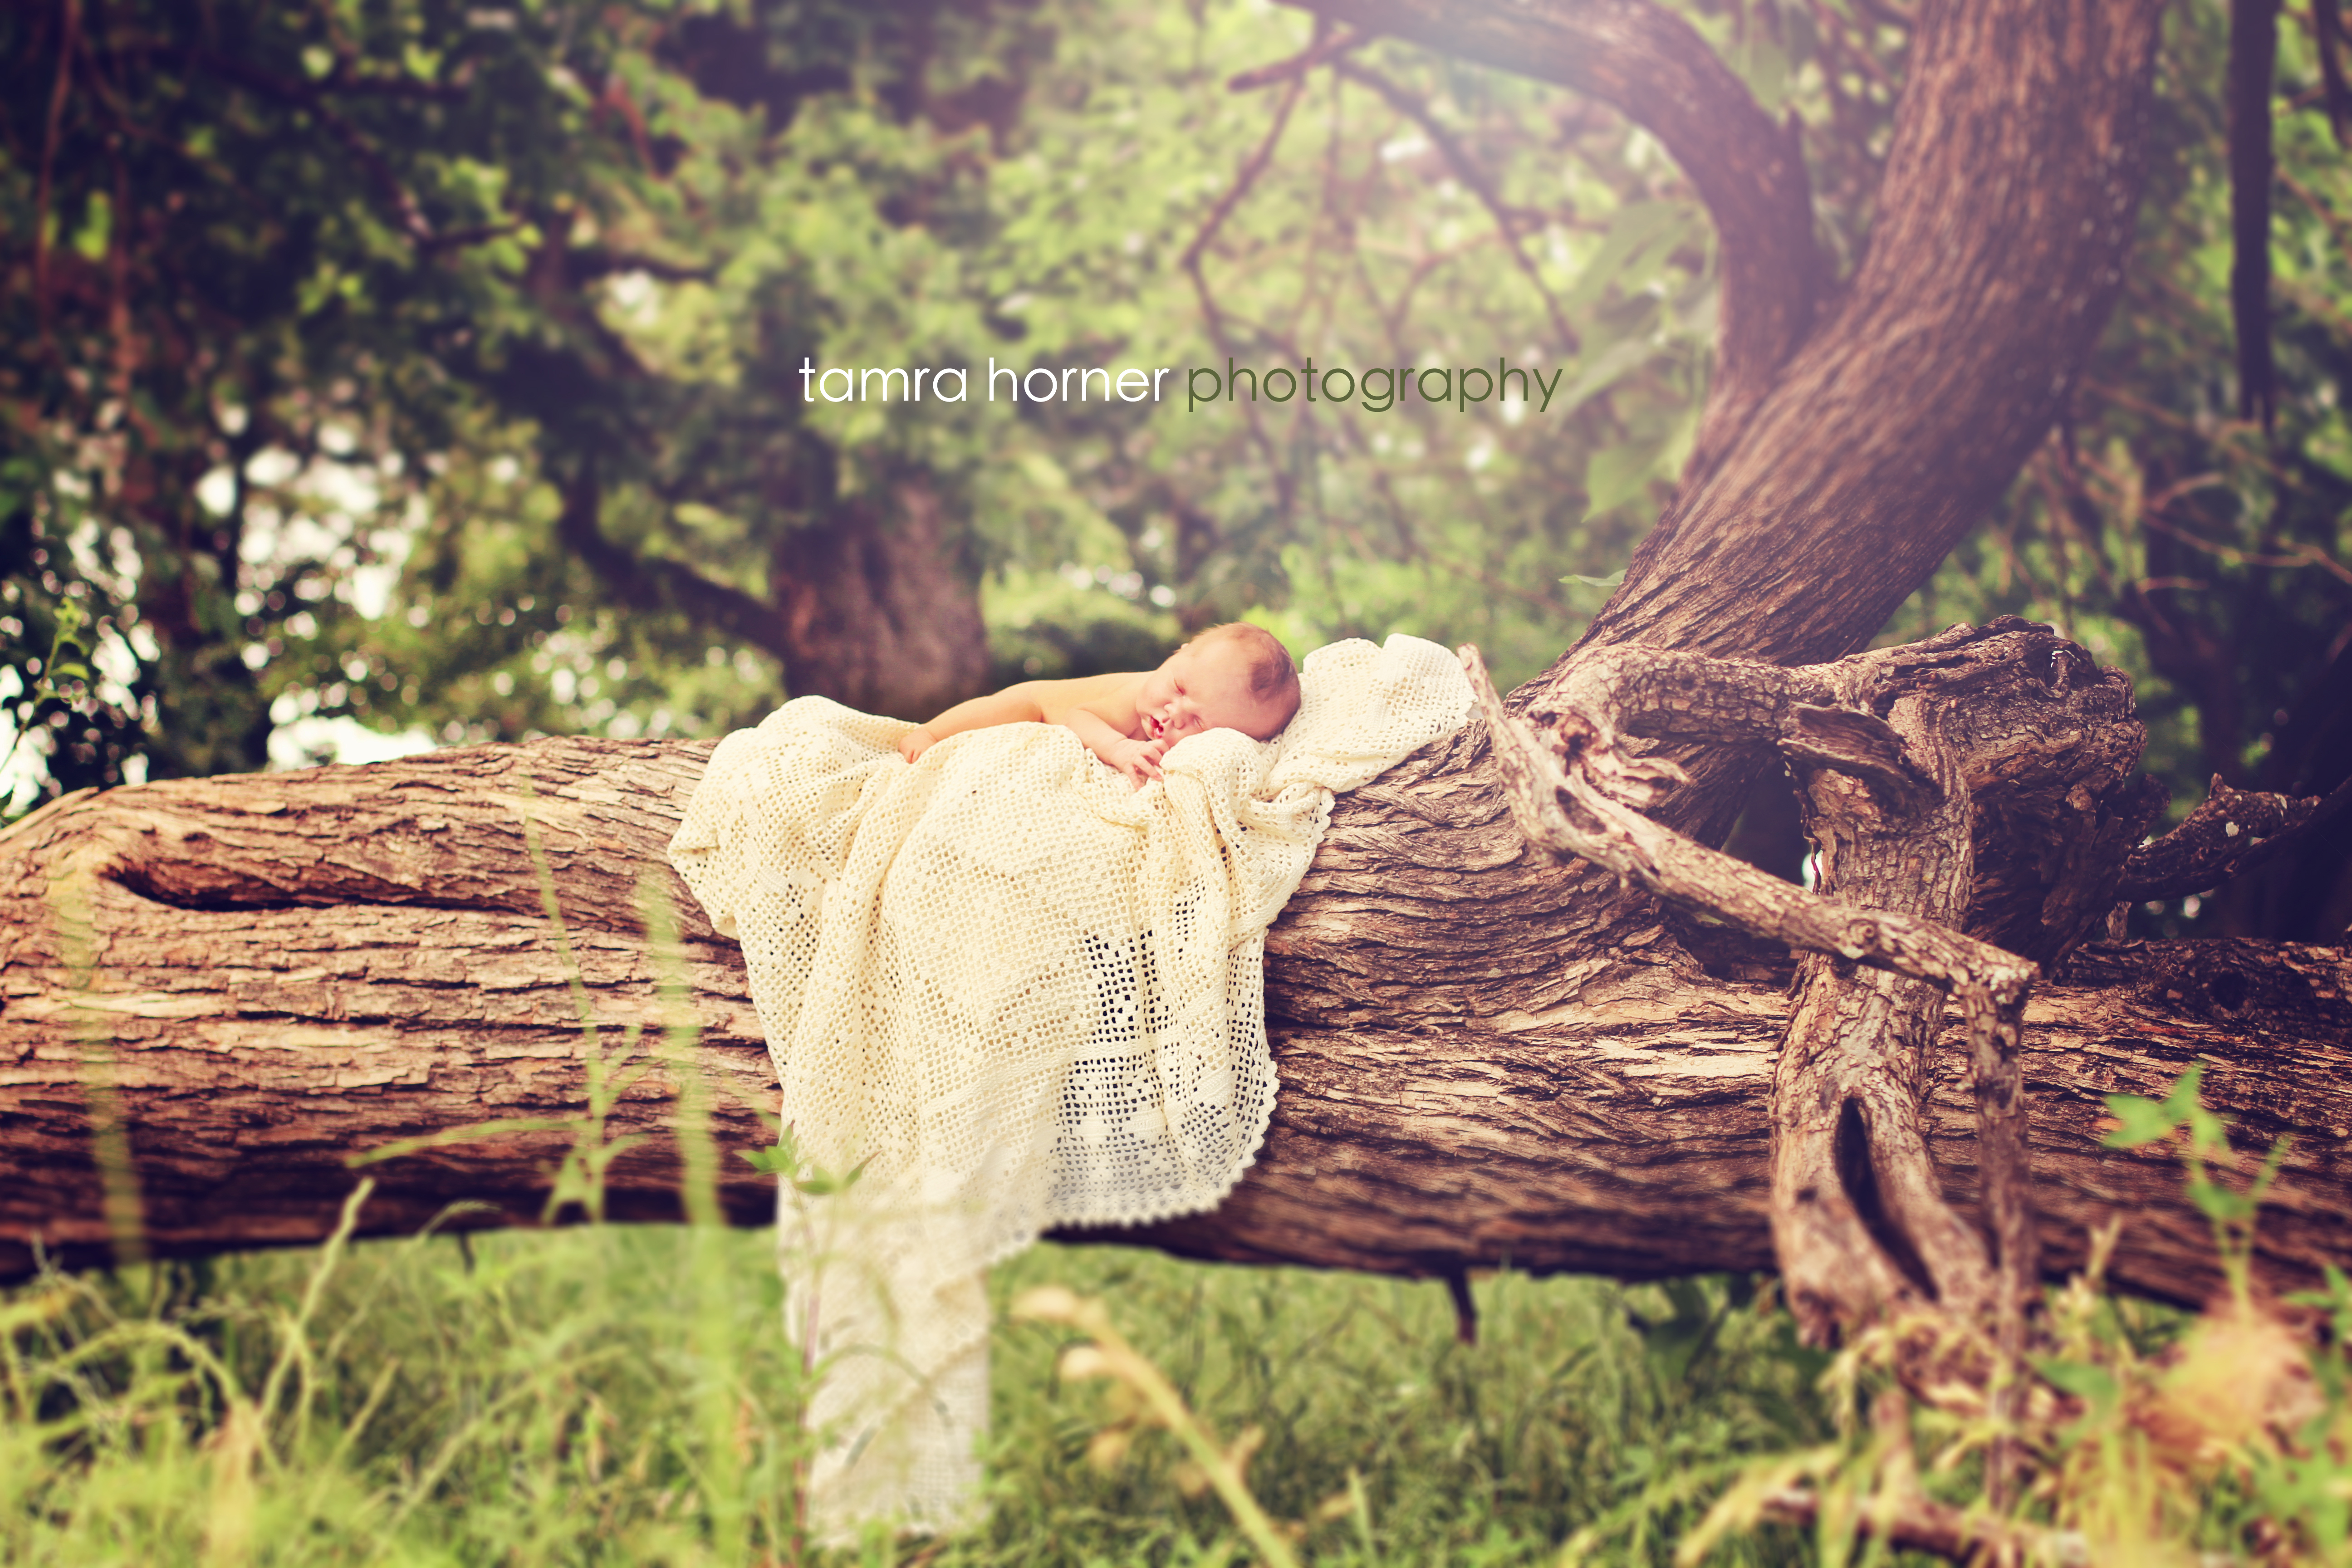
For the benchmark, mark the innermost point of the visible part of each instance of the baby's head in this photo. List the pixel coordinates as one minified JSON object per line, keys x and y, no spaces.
{"x":1233,"y":677}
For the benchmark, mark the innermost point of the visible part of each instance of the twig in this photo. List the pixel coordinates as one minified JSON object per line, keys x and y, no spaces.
{"x":588,"y":261}
{"x":2320,"y":209}
{"x":1423,"y":265}
{"x":2069,"y":500}
{"x":1467,"y":169}
{"x":2217,"y":432}
{"x":1252,"y":168}
{"x":70,"y":27}
{"x":1321,"y":52}
{"x":2305,"y":555}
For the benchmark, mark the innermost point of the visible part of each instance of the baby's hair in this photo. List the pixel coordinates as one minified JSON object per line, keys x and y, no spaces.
{"x":1273,"y":677}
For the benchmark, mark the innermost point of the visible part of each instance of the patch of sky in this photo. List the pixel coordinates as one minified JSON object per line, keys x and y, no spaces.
{"x":303,"y":739}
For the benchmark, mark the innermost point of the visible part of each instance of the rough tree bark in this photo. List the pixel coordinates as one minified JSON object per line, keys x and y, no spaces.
{"x":1490,"y":1053}
{"x":1486,"y":1057}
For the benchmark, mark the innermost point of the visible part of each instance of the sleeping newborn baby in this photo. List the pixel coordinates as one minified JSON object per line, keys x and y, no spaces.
{"x":1013,"y":1008}
{"x":1233,"y":677}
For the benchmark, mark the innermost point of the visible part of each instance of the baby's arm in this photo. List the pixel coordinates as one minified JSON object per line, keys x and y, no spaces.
{"x":1138,"y":760}
{"x":1090,"y":706}
{"x":1013,"y":705}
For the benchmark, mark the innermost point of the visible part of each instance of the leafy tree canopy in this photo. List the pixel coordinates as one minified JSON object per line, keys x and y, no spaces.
{"x":438,"y":370}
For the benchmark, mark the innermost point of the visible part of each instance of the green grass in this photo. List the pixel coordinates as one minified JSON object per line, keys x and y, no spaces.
{"x":572,"y":1396}
{"x":624,"y":1394}
{"x":617,"y":1395}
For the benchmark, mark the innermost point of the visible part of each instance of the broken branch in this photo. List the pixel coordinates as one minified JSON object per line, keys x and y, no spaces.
{"x":1706,"y":881}
{"x":2233,"y":832}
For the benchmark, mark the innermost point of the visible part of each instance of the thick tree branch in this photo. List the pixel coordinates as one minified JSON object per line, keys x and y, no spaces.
{"x":1597,"y":827}
{"x":2233,"y":832}
{"x":1486,"y":1057}
{"x":876,"y":609}
{"x":1653,"y":67}
{"x":1840,"y":458}
{"x":1992,"y":264}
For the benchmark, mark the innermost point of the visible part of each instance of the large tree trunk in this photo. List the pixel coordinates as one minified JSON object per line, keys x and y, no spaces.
{"x":875,"y":613}
{"x":1485,"y":1059}
{"x":872,"y":604}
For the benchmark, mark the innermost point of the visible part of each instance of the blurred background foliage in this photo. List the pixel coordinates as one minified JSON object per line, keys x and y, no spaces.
{"x":402,"y":373}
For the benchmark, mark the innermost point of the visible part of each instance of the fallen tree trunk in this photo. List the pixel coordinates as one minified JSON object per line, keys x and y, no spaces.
{"x":1485,"y":1059}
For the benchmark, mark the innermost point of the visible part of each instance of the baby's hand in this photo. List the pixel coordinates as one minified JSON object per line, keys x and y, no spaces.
{"x":1138,"y":760}
{"x":915,"y":743}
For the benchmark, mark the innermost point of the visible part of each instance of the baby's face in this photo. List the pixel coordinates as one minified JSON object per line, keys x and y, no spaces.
{"x":1204,"y":687}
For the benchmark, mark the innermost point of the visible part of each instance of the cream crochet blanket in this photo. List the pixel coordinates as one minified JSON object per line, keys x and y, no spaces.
{"x":1023,"y":996}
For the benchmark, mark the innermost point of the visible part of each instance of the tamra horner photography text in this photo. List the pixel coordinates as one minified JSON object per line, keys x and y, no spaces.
{"x":1377,"y":390}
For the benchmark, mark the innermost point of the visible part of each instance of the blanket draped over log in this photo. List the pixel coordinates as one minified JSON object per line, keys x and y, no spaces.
{"x":1011,"y":992}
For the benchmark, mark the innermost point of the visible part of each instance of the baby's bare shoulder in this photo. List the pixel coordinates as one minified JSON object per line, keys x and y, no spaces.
{"x":1056,"y":697}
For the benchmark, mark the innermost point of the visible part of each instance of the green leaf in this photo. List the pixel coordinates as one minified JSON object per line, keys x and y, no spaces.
{"x":825,"y":1184}
{"x":2094,"y":1385}
{"x":2206,"y":1132}
{"x":1640,"y":238}
{"x":1763,"y":66}
{"x":96,"y":230}
{"x":2186,"y":1098}
{"x":2143,"y":1121}
{"x":2337,"y":1298}
{"x":784,"y":1160}
{"x":1599,"y":371}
